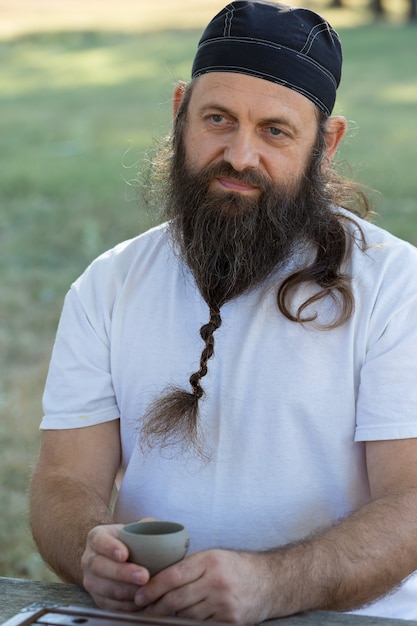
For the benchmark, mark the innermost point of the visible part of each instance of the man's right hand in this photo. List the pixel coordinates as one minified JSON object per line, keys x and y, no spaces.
{"x":107,"y":576}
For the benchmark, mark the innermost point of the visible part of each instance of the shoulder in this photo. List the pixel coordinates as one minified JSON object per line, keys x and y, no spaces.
{"x":152,"y":242}
{"x":383,"y":267}
{"x":142,"y":251}
{"x":120,"y":270}
{"x":376,"y":246}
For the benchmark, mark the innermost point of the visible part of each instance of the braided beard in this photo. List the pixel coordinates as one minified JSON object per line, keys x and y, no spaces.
{"x":231,"y":243}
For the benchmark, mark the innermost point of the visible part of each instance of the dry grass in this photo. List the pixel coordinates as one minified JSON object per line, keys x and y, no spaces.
{"x":23,"y":16}
{"x":27,"y":16}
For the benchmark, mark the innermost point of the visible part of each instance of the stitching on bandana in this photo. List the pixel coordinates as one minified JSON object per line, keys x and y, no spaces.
{"x":228,"y":20}
{"x":259,"y":74}
{"x":319,"y":28}
{"x":269,"y":44}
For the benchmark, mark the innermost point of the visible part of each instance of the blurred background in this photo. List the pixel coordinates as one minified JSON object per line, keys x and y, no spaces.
{"x":85,"y":87}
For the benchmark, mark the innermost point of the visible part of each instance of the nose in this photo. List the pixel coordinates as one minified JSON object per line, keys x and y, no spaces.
{"x":241,"y":151}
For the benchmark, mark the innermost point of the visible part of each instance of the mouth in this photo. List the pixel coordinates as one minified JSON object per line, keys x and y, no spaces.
{"x":232,"y":184}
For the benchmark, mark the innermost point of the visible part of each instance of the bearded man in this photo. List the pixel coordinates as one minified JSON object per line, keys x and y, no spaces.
{"x":283,"y":434}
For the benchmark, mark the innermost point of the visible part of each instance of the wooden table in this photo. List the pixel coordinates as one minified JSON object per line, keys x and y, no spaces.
{"x":16,"y":594}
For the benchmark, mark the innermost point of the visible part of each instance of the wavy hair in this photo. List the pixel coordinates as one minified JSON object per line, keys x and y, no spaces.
{"x":333,"y":243}
{"x":173,"y":417}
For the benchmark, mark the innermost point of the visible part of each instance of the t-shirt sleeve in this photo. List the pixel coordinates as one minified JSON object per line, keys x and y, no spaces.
{"x":79,"y":390}
{"x":387,"y":399}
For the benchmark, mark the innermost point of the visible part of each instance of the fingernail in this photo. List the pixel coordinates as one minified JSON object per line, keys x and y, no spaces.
{"x":138,"y":578}
{"x":139,"y":599}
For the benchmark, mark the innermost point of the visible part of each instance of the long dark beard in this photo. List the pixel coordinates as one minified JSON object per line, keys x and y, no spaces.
{"x":231,"y":243}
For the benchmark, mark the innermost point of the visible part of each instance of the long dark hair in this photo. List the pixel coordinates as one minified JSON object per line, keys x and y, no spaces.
{"x":173,"y":417}
{"x":333,"y":243}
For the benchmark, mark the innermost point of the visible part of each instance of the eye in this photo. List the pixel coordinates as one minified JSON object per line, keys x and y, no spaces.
{"x":218,"y":121}
{"x":275,"y":131}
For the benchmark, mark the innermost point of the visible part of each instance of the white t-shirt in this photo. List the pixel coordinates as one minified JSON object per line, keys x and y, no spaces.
{"x":287,"y":407}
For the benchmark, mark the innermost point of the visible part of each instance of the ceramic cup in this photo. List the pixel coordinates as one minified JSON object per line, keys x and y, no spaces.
{"x":155,"y":545}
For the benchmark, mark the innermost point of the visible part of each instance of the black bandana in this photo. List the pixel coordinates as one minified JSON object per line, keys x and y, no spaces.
{"x":286,"y":45}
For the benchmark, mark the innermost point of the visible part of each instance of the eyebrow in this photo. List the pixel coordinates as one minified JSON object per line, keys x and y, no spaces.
{"x":280,"y":121}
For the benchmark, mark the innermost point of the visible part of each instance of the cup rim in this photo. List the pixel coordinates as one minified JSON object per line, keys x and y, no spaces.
{"x":150,"y":528}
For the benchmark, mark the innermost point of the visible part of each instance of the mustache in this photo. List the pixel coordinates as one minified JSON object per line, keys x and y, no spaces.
{"x":249,"y":175}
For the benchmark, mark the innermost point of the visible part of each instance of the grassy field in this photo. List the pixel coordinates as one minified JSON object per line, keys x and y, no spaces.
{"x":83,"y":91}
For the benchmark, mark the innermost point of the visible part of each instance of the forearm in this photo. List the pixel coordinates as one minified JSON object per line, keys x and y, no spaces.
{"x":63,"y":511}
{"x":351,"y":564}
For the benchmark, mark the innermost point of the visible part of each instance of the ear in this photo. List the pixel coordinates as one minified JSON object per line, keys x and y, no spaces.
{"x":178,"y":96}
{"x":336,"y":128}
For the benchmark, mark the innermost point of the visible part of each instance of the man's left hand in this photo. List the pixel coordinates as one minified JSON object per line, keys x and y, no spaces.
{"x":216,"y":585}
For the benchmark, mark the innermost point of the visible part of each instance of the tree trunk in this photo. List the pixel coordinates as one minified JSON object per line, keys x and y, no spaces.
{"x":378,"y":8}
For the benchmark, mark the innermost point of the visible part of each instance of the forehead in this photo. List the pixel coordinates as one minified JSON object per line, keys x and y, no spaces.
{"x":255,"y":97}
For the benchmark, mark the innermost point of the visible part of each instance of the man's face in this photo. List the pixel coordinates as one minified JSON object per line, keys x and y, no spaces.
{"x":244,"y":190}
{"x":252,"y":124}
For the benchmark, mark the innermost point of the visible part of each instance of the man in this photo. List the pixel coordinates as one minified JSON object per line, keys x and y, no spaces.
{"x":289,"y":449}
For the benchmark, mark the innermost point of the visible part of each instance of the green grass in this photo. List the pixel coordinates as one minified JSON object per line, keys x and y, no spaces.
{"x":379,"y":92}
{"x":77,"y":113}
